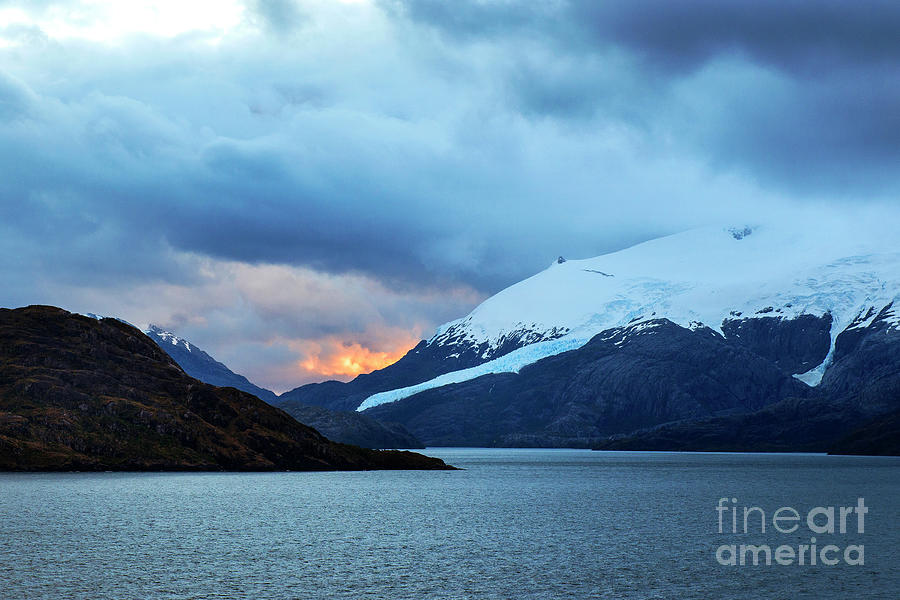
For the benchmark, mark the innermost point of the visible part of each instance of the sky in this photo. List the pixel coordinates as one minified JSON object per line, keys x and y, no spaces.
{"x":305,"y":189}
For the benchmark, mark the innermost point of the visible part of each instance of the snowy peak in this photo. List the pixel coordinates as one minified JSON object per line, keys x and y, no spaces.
{"x":167,"y":337}
{"x":197,"y":363}
{"x":703,"y":276}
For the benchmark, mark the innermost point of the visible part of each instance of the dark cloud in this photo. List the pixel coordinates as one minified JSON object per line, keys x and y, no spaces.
{"x":815,"y":114}
{"x":837,"y":135}
{"x":798,"y":36}
{"x":793,"y":35}
{"x":111,"y":179}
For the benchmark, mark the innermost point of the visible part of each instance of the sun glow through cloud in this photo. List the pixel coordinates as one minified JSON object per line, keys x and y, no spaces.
{"x":336,"y":359}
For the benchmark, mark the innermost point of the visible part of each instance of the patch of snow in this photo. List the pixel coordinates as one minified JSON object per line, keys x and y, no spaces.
{"x":813,"y":377}
{"x":864,"y":319}
{"x":891,"y":318}
{"x":101,"y":317}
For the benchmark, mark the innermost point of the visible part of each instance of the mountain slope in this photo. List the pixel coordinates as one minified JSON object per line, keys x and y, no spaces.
{"x":853,"y":411}
{"x":77,"y":393}
{"x":422,"y":363}
{"x":711,"y":276}
{"x":792,"y":425}
{"x":200,"y":365}
{"x":624,"y":379}
{"x":880,"y":436}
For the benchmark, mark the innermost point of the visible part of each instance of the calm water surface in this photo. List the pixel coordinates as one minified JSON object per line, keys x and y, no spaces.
{"x":514,"y":524}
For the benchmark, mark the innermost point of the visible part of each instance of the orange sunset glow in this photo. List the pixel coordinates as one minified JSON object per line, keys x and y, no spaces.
{"x":349,"y":360}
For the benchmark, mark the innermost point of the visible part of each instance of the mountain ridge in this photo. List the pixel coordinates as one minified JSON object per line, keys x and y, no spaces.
{"x":200,"y":365}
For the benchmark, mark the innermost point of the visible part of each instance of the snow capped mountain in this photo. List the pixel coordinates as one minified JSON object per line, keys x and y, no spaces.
{"x":705,"y":278}
{"x":167,"y":337}
{"x":202,"y":366}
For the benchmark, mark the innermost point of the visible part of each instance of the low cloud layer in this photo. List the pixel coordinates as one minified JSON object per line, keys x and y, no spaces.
{"x":299,"y":183}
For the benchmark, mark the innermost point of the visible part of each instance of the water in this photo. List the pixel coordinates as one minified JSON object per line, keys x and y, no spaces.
{"x":514,"y":524}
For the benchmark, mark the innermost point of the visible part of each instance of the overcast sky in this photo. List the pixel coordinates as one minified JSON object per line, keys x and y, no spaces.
{"x":307,"y":188}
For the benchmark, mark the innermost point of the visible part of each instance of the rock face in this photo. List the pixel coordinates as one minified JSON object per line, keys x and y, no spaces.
{"x":865,"y":371}
{"x":794,"y":345}
{"x":82,"y":394}
{"x":200,"y":365}
{"x":853,"y":411}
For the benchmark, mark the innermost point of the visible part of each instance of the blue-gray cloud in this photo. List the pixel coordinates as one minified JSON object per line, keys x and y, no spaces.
{"x":802,"y":37}
{"x":809,"y":105}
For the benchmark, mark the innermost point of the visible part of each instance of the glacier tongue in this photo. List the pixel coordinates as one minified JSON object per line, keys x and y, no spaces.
{"x":508,"y":363}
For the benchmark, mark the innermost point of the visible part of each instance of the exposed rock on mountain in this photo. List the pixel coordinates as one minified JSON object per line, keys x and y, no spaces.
{"x":449,"y":351}
{"x":625,"y":379}
{"x":793,"y":345}
{"x":853,"y":410}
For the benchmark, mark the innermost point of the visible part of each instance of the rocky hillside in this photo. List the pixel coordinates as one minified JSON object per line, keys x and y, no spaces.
{"x":853,"y":411}
{"x":82,"y":394}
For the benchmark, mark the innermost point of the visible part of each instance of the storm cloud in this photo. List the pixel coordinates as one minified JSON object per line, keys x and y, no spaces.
{"x":801,"y":94}
{"x":383,"y":166}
